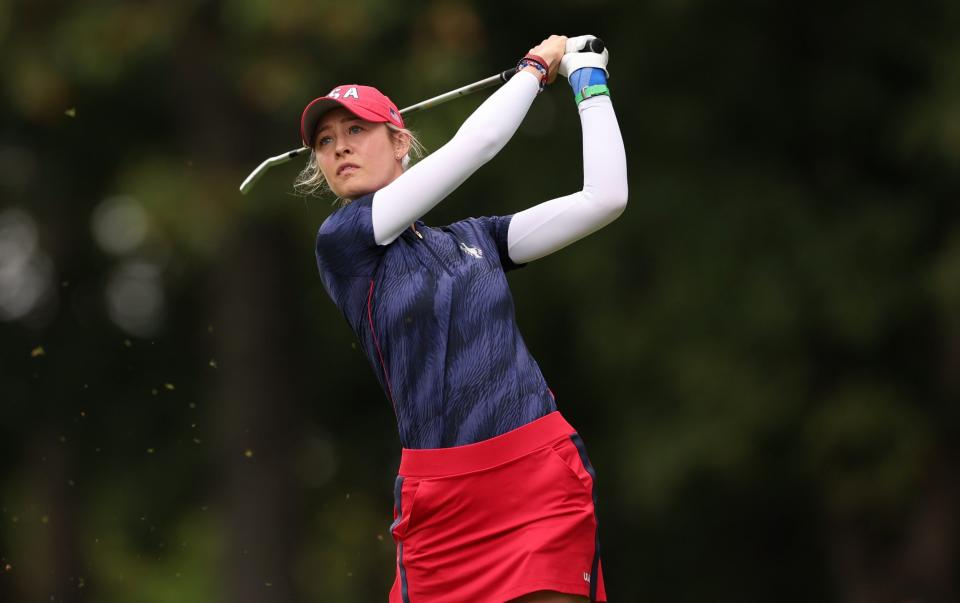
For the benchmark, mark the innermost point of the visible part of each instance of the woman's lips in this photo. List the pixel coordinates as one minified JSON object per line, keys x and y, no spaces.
{"x":346,"y":168}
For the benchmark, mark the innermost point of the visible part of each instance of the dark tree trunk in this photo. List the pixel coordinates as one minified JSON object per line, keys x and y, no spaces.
{"x":256,"y":414}
{"x":915,"y":565}
{"x":47,"y":568}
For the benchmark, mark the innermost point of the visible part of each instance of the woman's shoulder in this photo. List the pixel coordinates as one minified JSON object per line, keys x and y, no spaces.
{"x":481,"y":222}
{"x":351,"y":213}
{"x":345,"y":241}
{"x":484,"y":226}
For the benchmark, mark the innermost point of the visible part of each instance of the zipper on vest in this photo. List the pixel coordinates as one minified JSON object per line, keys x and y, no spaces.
{"x":440,"y":261}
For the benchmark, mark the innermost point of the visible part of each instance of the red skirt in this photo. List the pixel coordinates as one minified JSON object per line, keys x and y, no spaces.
{"x":494,"y":520}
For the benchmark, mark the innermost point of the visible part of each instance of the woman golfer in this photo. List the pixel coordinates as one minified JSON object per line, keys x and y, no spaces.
{"x":495,"y":497}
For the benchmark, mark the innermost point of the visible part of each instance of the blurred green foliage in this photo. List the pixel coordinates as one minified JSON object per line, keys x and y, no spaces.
{"x":764,"y":365}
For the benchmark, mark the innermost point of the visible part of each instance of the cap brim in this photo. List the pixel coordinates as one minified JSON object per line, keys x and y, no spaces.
{"x":319,"y":106}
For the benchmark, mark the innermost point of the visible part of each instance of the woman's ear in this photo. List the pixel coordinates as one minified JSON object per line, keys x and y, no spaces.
{"x":401,"y":144}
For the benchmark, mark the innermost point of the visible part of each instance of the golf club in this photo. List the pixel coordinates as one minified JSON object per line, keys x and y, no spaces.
{"x":577,"y":44}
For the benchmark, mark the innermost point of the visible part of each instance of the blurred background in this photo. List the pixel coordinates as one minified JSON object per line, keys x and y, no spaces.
{"x":762,"y":354}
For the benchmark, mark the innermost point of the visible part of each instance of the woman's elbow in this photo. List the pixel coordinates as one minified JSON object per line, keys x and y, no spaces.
{"x":618,"y":199}
{"x":611,"y":200}
{"x":487,"y":148}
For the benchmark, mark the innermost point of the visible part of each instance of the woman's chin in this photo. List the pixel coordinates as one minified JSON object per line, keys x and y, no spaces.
{"x":353,"y":187}
{"x":348,"y":192}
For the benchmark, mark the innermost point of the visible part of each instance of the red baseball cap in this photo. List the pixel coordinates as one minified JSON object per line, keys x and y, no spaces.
{"x":366,"y":102}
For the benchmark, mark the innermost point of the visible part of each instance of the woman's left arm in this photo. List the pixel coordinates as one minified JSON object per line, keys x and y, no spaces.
{"x":554,"y":224}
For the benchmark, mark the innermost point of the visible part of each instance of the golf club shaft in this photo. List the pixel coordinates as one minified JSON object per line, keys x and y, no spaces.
{"x":581,"y":44}
{"x":493,"y":80}
{"x":433,"y":102}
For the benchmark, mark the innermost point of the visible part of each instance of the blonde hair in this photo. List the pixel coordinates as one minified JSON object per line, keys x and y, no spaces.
{"x":310,"y":181}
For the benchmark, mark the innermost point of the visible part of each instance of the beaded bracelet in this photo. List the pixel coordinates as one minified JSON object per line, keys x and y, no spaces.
{"x":532,"y":60}
{"x":536,"y":58}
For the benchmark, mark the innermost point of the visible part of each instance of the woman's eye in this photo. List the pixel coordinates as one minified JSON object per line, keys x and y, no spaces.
{"x":355,"y":129}
{"x":325,"y":140}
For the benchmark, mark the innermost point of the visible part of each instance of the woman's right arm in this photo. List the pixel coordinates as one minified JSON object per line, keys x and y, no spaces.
{"x":414,"y":193}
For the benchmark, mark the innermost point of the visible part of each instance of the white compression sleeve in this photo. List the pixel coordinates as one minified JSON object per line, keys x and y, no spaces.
{"x":400,"y":203}
{"x":554,"y":224}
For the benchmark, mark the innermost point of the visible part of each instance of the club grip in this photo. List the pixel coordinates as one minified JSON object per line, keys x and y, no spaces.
{"x":578,"y":44}
{"x":585,"y":44}
{"x":595,"y":45}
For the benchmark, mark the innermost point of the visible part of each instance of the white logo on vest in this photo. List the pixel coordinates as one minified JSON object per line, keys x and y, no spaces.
{"x":474,"y":251}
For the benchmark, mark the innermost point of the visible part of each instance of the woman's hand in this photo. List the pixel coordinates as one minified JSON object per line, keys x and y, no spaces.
{"x":551,"y":50}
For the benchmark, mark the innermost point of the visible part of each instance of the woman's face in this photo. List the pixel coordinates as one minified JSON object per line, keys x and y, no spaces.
{"x":356,"y":156}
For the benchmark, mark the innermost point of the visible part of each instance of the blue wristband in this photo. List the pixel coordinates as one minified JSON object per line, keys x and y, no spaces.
{"x":586,"y":76}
